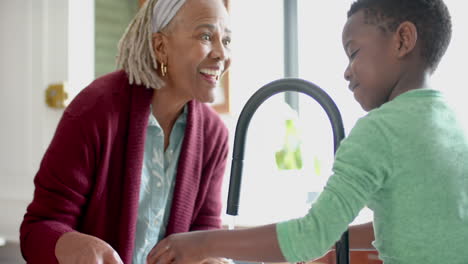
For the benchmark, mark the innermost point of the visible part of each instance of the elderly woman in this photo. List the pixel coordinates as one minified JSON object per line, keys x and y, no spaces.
{"x":137,"y":155}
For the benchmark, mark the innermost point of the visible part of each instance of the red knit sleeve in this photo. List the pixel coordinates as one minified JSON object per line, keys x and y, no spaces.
{"x":216,"y":147}
{"x":61,"y":186}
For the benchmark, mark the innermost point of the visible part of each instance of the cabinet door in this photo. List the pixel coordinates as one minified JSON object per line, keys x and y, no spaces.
{"x":26,"y":124}
{"x":36,"y":50}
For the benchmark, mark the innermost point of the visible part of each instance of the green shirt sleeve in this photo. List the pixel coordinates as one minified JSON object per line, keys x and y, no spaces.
{"x":361,"y":165}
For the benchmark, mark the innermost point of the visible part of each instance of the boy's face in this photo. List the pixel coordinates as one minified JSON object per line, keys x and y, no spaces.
{"x":372,"y":69}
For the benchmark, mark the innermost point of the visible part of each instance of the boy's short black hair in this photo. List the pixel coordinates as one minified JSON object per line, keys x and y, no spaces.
{"x":431,"y":18}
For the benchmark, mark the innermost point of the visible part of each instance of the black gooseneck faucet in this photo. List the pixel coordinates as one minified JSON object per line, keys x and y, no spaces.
{"x":270,"y":89}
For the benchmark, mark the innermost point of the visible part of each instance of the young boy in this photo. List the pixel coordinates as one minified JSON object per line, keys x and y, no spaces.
{"x":406,"y":159}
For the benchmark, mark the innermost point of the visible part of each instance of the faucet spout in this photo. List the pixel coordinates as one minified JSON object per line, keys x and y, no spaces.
{"x":261,"y":95}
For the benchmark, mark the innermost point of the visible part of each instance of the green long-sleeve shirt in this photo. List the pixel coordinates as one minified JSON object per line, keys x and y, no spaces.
{"x":408,"y":162}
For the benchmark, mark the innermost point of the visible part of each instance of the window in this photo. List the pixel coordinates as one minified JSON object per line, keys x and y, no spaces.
{"x":112,"y":18}
{"x":257,"y":58}
{"x":323,"y":61}
{"x":270,"y":195}
{"x":450,"y":76}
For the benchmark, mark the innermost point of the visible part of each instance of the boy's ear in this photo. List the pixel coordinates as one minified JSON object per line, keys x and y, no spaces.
{"x":159,"y":47}
{"x":407,"y":36}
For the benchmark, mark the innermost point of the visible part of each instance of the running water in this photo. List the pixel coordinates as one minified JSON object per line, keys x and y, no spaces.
{"x":232,"y":222}
{"x":231,"y":225}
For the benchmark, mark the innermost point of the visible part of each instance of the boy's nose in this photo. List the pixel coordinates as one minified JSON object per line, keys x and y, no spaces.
{"x":347,"y":73}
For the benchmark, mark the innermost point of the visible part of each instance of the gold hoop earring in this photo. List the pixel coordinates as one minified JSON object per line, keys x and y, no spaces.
{"x":163,"y":69}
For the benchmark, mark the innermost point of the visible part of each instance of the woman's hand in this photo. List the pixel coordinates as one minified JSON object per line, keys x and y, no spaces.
{"x":77,"y":248}
{"x":186,"y":248}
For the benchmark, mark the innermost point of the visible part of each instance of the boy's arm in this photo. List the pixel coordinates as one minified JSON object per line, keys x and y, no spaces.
{"x":251,"y":244}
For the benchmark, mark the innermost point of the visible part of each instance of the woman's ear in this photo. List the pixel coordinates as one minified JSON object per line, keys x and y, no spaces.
{"x":159,"y":47}
{"x":407,"y":36}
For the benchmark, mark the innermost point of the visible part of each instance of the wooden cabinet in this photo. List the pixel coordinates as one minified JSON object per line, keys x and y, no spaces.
{"x":356,"y":257}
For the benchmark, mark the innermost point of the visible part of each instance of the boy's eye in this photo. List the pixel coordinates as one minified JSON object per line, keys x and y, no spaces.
{"x":353,"y":54}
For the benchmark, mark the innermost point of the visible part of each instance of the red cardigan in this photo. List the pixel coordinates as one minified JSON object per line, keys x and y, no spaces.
{"x":89,"y":178}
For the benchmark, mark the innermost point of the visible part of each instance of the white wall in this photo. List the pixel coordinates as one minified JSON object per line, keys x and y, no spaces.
{"x":36,"y":48}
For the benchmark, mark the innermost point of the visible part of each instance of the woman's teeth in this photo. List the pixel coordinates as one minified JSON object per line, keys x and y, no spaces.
{"x":213,"y":73}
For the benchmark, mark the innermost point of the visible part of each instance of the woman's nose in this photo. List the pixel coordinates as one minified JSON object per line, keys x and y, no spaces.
{"x":220,"y":52}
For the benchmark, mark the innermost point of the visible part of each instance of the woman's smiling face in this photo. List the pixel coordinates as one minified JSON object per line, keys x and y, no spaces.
{"x":197,"y":49}
{"x":372,"y":71}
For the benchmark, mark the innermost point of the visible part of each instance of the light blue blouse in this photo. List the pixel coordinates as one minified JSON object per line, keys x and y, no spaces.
{"x":157,"y":185}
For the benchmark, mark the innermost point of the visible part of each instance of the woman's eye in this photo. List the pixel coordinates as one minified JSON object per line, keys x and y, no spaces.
{"x":206,"y":37}
{"x":227,"y":41}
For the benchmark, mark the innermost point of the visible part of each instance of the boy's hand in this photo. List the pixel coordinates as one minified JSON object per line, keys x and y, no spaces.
{"x":77,"y":248}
